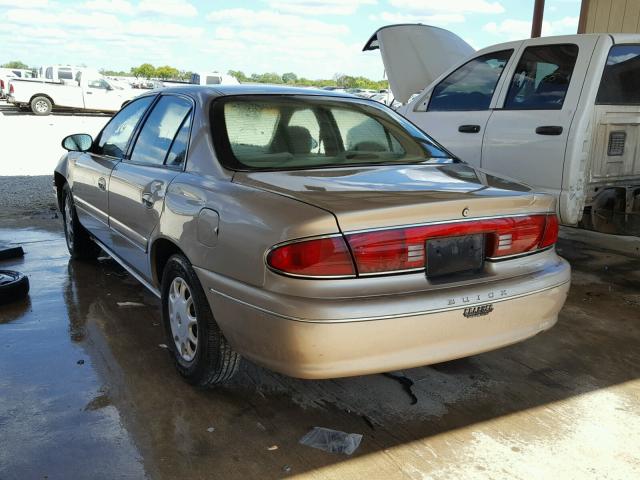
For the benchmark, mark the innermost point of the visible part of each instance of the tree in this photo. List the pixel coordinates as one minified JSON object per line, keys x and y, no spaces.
{"x":16,"y":64}
{"x":239,"y":75}
{"x":289,"y":77}
{"x":146,"y":70}
{"x":166,"y":72}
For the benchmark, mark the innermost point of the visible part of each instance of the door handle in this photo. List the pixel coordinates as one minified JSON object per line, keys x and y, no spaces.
{"x":89,"y":93}
{"x":102,"y":183}
{"x":151,"y":193}
{"x":549,"y":130}
{"x":469,"y":128}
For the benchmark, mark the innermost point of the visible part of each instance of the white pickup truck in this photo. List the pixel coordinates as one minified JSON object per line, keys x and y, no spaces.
{"x":90,"y":91}
{"x":560,"y":113}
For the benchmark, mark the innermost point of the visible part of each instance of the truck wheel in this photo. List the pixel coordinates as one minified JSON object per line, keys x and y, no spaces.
{"x":79,"y":243}
{"x":200,"y":352}
{"x":13,"y":286}
{"x":41,"y":106}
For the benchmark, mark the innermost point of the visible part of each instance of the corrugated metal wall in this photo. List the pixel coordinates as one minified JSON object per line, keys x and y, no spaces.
{"x":612,"y":16}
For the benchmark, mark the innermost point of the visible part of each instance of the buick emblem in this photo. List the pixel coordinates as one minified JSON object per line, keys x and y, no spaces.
{"x":465,"y":211}
{"x":478,"y":311}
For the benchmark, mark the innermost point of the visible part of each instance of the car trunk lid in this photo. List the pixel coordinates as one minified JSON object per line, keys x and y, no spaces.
{"x":396,"y":195}
{"x":415,"y":55}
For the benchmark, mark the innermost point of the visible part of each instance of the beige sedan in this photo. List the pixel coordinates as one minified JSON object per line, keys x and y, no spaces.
{"x":318,"y":234}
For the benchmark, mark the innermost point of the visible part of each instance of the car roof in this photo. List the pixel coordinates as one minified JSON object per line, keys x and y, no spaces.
{"x":252,"y":89}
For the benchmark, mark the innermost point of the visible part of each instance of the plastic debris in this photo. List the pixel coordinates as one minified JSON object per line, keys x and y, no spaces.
{"x":332,"y":441}
{"x":162,"y":345}
{"x":211,"y":429}
{"x":272,"y":448}
{"x":130,"y":304}
{"x":286,"y":469}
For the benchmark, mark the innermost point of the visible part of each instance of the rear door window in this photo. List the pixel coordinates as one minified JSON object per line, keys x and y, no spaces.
{"x":542,"y":78}
{"x":471,"y":86}
{"x":620,"y":84}
{"x":160,"y":129}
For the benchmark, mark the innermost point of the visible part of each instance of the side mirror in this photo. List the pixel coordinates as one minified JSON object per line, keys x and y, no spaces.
{"x":78,"y":142}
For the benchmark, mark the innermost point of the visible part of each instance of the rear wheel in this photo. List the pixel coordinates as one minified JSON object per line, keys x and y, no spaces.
{"x":200,"y":351}
{"x":41,"y":105}
{"x":79,"y":242}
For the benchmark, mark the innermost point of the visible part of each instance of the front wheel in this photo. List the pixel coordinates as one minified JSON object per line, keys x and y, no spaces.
{"x":79,"y":243}
{"x":200,"y":351}
{"x":41,"y":106}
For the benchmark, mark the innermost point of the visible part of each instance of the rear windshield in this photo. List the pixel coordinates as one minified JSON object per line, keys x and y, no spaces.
{"x":295,"y":132}
{"x":620,"y":84}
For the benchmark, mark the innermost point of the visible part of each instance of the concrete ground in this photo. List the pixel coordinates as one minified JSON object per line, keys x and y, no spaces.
{"x":88,"y":392}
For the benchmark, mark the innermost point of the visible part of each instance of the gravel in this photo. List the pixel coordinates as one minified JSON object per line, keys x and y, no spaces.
{"x":27,"y":197}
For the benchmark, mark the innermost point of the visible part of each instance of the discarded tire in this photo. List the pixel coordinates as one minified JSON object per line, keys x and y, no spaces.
{"x":13,"y":286}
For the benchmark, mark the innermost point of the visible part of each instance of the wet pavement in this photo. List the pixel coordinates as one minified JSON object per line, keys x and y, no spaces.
{"x":87,"y":391}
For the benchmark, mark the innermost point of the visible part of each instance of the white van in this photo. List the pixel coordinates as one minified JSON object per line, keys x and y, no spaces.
{"x":212,"y":78}
{"x":560,"y":113}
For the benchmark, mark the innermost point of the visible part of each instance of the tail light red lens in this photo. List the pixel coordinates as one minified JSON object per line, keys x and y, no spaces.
{"x":321,"y":257}
{"x":11,"y":88}
{"x":2,"y":84}
{"x":550,"y":232}
{"x":404,"y":248}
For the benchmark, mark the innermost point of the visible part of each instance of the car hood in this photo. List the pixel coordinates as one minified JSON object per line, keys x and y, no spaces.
{"x":415,"y":55}
{"x":383,"y":196}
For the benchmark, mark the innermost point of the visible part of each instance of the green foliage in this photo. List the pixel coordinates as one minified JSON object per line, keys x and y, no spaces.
{"x":146,"y":70}
{"x":114,"y":73}
{"x":289,"y":77}
{"x":166,"y":72}
{"x":16,"y":64}
{"x":240,"y":76}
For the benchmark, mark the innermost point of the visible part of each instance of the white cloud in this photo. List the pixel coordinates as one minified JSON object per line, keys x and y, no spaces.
{"x":279,"y":23}
{"x":177,"y":8}
{"x":24,"y":3}
{"x":319,"y":7}
{"x":69,"y":18}
{"x":448,"y":7}
{"x":110,"y":6}
{"x":512,"y":29}
{"x":437,"y":19}
{"x":150,"y":29}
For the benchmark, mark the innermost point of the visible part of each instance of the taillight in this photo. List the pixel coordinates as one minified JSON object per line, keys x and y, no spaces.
{"x":550,"y":232}
{"x":400,"y":249}
{"x":2,"y":84}
{"x":11,"y":88}
{"x":320,"y":257}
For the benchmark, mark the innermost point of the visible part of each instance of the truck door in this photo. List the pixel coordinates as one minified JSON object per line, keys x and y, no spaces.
{"x":456,"y":109}
{"x":100,"y":95}
{"x":139,"y":183}
{"x":526,"y":135}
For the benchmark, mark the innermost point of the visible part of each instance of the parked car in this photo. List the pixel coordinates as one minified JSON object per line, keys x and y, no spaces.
{"x":91,"y":91}
{"x":316,"y":234}
{"x":387,"y":99}
{"x":213,"y":78}
{"x":559,"y":113}
{"x":7,"y":73}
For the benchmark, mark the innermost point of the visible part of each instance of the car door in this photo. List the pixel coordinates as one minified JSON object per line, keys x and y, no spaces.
{"x":99,"y":95}
{"x":456,"y":109}
{"x":526,"y":135}
{"x":139,"y":183}
{"x":90,"y":171}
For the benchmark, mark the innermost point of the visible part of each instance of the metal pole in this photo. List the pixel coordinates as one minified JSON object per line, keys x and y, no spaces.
{"x":538,"y":14}
{"x":584,"y":13}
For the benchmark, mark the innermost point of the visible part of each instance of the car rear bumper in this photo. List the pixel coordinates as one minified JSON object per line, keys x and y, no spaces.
{"x":377,"y":341}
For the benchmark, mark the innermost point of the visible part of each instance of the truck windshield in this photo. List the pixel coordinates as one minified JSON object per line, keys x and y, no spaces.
{"x":296,"y":132}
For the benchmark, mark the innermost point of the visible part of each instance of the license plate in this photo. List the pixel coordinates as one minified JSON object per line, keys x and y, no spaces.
{"x":446,"y":256}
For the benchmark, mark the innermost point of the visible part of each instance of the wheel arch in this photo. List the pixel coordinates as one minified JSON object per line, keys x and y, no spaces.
{"x":161,"y":250}
{"x":42,"y":95}
{"x":58,"y":181}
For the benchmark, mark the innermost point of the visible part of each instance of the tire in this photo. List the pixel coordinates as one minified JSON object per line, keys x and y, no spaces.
{"x":209,"y":360}
{"x":79,"y":242}
{"x":13,"y":286}
{"x":41,"y":105}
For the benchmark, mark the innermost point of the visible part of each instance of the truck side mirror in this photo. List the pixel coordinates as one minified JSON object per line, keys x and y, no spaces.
{"x":78,"y":142}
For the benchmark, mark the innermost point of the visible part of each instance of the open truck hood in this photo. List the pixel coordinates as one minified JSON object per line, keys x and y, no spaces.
{"x":414,"y":55}
{"x":383,"y":196}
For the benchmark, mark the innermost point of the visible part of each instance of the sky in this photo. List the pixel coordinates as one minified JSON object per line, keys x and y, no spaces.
{"x":313,"y":38}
